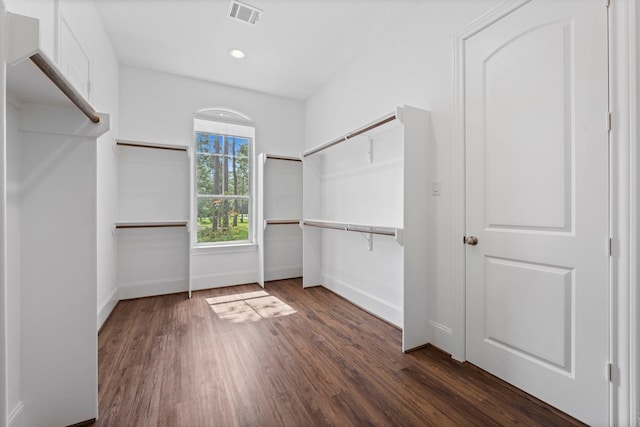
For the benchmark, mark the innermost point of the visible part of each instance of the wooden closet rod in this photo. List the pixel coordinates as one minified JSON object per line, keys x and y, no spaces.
{"x":360,"y":131}
{"x":157,"y":147}
{"x":276,"y":157}
{"x":151,"y":225}
{"x":61,"y":82}
{"x":384,"y":231}
{"x":282,"y":221}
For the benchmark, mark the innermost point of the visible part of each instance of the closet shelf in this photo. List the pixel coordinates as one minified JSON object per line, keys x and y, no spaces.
{"x":280,"y":221}
{"x":158,"y":146}
{"x":364,"y":129}
{"x":24,"y":43}
{"x":150,"y":224}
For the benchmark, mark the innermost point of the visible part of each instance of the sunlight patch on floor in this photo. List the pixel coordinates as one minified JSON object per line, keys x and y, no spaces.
{"x":249,"y":307}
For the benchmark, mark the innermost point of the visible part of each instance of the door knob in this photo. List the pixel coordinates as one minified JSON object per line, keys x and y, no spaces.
{"x":471,"y":240}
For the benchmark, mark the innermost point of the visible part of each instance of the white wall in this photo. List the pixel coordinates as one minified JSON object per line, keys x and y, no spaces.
{"x":158,"y":107}
{"x":45,"y":11}
{"x":410,"y":64}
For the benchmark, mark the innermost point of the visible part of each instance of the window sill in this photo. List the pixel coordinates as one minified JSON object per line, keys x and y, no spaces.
{"x":224,"y":249}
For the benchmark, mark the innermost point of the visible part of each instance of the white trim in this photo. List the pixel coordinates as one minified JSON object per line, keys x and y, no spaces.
{"x":4,"y":389}
{"x":223,"y":248}
{"x":624,"y":210}
{"x":210,"y":281}
{"x":458,"y":350}
{"x":152,"y":288}
{"x":372,"y":304}
{"x":441,"y":335}
{"x":634,"y":232}
{"x":105,"y":309}
{"x":281,"y":273}
{"x":224,"y":115}
{"x":16,"y":417}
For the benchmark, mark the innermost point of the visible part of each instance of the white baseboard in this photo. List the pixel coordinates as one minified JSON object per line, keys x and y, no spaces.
{"x":280,"y":273}
{"x":441,"y":336}
{"x":152,"y":288}
{"x":16,"y":417}
{"x":211,"y":281}
{"x":371,"y":303}
{"x":105,"y":309}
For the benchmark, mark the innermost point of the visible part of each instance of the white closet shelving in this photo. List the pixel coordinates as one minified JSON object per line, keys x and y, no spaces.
{"x":279,"y":236}
{"x":153,"y":225}
{"x":373,"y":182}
{"x":51,"y":219}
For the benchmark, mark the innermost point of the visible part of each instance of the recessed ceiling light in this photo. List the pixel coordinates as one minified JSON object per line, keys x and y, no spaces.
{"x":237,"y":53}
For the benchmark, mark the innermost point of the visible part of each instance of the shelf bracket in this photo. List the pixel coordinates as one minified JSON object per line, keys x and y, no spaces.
{"x":400,"y":236}
{"x":369,"y":238}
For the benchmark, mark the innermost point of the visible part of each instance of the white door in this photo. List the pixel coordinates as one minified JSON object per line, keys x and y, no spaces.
{"x":537,"y":200}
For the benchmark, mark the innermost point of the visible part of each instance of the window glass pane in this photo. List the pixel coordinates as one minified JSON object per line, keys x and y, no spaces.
{"x":222,"y":164}
{"x":223,"y":185}
{"x":223,"y":220}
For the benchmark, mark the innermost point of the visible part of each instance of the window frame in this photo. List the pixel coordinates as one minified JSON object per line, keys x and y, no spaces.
{"x":228,"y":123}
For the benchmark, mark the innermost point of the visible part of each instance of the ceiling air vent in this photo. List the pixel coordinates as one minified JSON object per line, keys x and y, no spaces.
{"x":244,"y":12}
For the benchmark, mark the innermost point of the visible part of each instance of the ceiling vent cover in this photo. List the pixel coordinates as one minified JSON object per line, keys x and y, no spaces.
{"x":244,"y":12}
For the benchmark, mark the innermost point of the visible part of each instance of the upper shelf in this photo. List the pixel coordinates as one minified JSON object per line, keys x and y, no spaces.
{"x":368,"y":128}
{"x":29,"y":66}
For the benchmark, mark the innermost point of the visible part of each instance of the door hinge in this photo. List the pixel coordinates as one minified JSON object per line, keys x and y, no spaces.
{"x":607,"y":3}
{"x":609,"y":372}
{"x":609,"y":121}
{"x":610,"y":248}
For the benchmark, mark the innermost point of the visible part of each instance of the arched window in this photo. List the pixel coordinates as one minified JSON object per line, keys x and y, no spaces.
{"x":223,"y":188}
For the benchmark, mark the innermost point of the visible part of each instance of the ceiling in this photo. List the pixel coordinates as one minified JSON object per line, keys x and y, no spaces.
{"x":296,"y":46}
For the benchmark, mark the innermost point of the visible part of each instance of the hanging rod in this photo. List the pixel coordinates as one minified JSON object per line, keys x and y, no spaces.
{"x":288,"y":158}
{"x":282,"y":221}
{"x":360,"y":131}
{"x":369,"y":229}
{"x":150,"y":145}
{"x":150,"y":224}
{"x":62,"y":83}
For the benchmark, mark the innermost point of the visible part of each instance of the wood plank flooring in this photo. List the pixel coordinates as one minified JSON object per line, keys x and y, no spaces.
{"x":171,"y":361}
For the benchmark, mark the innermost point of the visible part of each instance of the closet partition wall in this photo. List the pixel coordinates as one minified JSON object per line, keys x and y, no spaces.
{"x":366,"y":219}
{"x":279,"y":236}
{"x":51,"y":240}
{"x":153,"y":226}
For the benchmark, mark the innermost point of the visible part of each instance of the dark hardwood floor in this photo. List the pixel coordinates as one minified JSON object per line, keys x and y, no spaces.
{"x":171,"y":361}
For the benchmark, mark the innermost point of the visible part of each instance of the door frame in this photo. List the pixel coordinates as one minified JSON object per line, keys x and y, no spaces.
{"x":624,"y":84}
